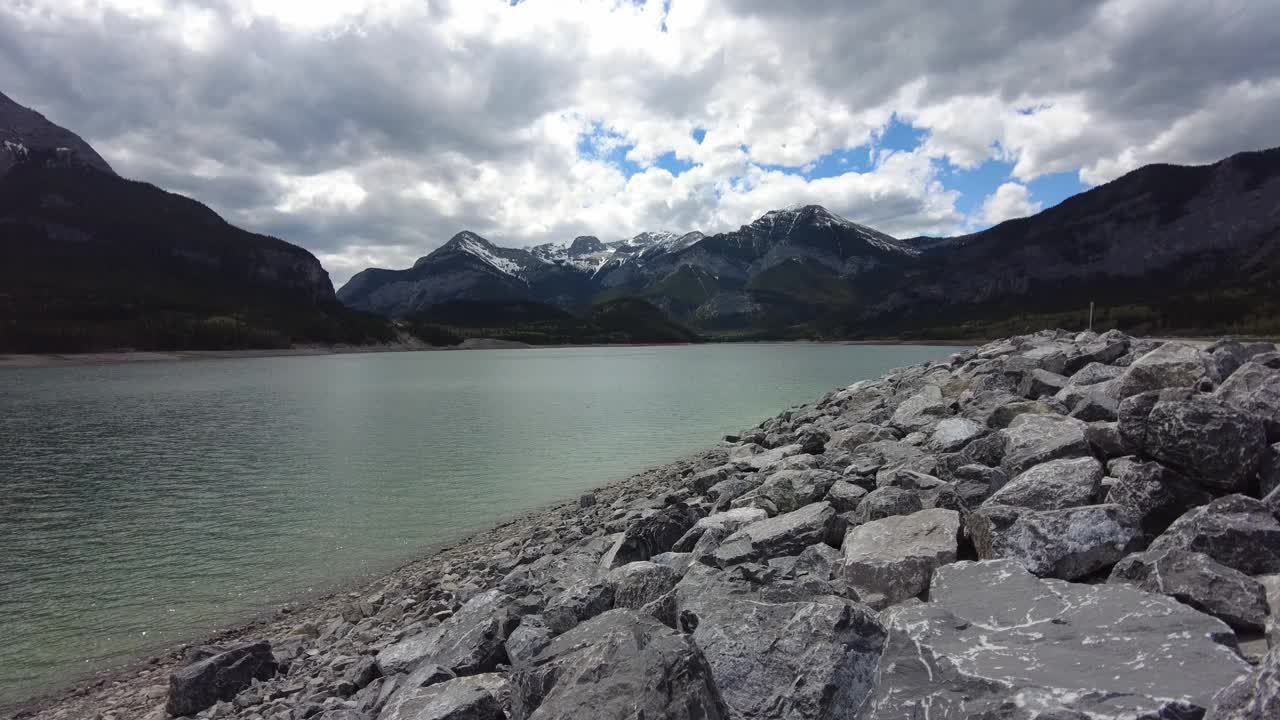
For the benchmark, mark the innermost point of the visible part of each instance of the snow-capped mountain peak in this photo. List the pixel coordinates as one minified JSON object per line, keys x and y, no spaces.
{"x":782,"y":223}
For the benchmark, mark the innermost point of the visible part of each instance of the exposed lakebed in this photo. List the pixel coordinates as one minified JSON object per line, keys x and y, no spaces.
{"x":143,"y":503}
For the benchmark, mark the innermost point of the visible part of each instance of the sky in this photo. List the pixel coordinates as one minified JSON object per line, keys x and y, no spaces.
{"x":372,"y":131}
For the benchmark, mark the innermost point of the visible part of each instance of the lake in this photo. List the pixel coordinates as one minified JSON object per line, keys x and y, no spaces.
{"x":141,"y":504}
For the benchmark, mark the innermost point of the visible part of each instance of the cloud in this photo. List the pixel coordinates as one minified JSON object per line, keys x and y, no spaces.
{"x":1010,"y":200}
{"x":370,"y":131}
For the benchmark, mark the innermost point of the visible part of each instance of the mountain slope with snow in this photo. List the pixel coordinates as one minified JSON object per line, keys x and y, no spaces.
{"x":27,"y":135}
{"x":1162,"y":226}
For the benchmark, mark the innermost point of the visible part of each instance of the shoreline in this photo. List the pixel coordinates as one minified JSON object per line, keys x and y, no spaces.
{"x":813,"y":520}
{"x":145,"y":671}
{"x":129,"y":357}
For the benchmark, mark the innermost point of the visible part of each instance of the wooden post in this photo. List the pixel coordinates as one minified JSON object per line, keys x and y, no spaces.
{"x":1090,"y":316}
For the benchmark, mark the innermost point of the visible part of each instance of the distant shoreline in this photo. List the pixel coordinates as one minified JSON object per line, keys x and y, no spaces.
{"x":123,"y":357}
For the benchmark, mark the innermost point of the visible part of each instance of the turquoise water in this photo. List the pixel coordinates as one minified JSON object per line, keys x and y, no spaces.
{"x":141,"y":504}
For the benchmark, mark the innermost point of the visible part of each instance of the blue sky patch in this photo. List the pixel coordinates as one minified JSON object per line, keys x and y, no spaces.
{"x":607,"y":146}
{"x":973,"y":185}
{"x":898,"y":135}
{"x":672,"y":164}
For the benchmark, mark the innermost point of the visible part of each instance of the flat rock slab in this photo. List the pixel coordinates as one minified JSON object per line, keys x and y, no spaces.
{"x":618,"y":666}
{"x":472,"y":640}
{"x":1033,"y":439}
{"x":778,"y":659}
{"x":1054,"y":485}
{"x":478,"y":697}
{"x":790,"y":490}
{"x":1044,"y":647}
{"x":1170,"y":365}
{"x":887,"y":561}
{"x":640,"y":583}
{"x":786,"y":534}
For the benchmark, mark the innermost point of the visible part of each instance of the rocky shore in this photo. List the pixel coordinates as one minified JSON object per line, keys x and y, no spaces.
{"x":1048,"y":527}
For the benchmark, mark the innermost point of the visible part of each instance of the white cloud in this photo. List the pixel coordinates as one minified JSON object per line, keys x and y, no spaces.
{"x":370,"y":131}
{"x":1010,"y":200}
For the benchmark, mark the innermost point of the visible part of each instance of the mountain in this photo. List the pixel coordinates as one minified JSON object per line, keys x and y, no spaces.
{"x":469,"y":267}
{"x":787,"y":266}
{"x":92,"y":261}
{"x":1173,"y":247}
{"x":1189,"y":247}
{"x":25,"y":132}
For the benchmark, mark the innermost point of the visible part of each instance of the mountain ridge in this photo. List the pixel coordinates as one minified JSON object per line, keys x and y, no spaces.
{"x":92,"y":261}
{"x":807,"y":266}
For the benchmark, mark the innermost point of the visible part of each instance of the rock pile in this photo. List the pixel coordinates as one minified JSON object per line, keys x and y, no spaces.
{"x":1049,"y":526}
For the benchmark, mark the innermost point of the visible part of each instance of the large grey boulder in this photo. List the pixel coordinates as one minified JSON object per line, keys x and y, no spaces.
{"x":555,"y":571}
{"x":845,"y":496}
{"x":477,"y":697}
{"x":1255,"y":389}
{"x":222,"y":676}
{"x":889,"y":560}
{"x":1066,"y":544}
{"x":984,"y":406}
{"x":1098,"y":352}
{"x":785,"y":658}
{"x":1005,"y":415}
{"x":1034,"y":439}
{"x":921,"y":410}
{"x":617,"y":666}
{"x":650,"y":535}
{"x":1237,"y":531}
{"x":527,"y":640}
{"x":1214,"y":445}
{"x":953,"y":433}
{"x":1052,"y":357}
{"x":758,"y":458}
{"x":1054,"y":485}
{"x":1253,"y":696}
{"x":995,"y":642}
{"x":1269,"y":471}
{"x":870,"y":458}
{"x":786,"y":534}
{"x":1039,"y":383}
{"x":790,"y":490}
{"x":1135,"y":409}
{"x":1226,"y":356}
{"x":723,"y":493}
{"x":886,"y":502}
{"x":1092,"y":403}
{"x":580,"y":601}
{"x":1157,"y":494}
{"x":1093,"y":373}
{"x":1106,"y":441}
{"x":471,"y":641}
{"x":1168,"y":366}
{"x":728,"y":521}
{"x":640,"y":583}
{"x":856,"y":435}
{"x":1199,"y":581}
